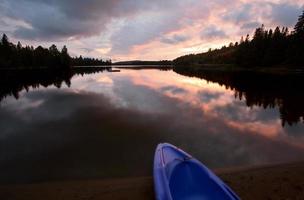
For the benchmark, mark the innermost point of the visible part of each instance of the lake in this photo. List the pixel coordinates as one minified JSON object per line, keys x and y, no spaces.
{"x":106,"y":123}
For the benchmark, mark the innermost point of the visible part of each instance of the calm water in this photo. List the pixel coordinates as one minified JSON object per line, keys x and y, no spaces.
{"x":107,"y":124}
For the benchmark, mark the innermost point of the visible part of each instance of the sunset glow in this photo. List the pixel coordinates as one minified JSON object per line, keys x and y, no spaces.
{"x":146,"y":30}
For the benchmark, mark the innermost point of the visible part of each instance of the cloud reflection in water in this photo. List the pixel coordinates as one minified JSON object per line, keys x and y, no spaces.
{"x":108,"y":124}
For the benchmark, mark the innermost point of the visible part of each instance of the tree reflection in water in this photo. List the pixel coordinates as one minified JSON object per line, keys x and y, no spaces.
{"x":12,"y":82}
{"x":267,"y":90}
{"x":257,"y":89}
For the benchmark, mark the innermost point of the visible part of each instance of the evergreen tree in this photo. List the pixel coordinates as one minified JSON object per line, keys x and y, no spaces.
{"x":19,"y":46}
{"x":4,"y":40}
{"x":16,"y":56}
{"x":5,"y":52}
{"x":299,"y":27}
{"x":65,"y":58}
{"x":278,"y":47}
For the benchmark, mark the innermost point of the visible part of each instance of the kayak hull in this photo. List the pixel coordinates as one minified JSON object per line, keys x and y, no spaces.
{"x":177,"y":175}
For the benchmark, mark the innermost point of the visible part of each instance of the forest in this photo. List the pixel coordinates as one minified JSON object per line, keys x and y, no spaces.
{"x":267,"y":48}
{"x":14,"y":56}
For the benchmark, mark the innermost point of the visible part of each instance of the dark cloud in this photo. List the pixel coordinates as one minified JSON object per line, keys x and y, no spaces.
{"x":88,"y":50}
{"x":250,"y":25}
{"x":173,"y":90}
{"x":53,"y":20}
{"x":235,"y":112}
{"x":158,"y":20}
{"x":239,"y":15}
{"x":295,"y":131}
{"x":212,"y":32}
{"x":123,"y":24}
{"x":141,"y":30}
{"x":142,"y":98}
{"x":285,"y":14}
{"x":207,"y":96}
{"x":174,"y":39}
{"x":50,"y":20}
{"x":250,"y":14}
{"x":3,"y":23}
{"x":126,"y":23}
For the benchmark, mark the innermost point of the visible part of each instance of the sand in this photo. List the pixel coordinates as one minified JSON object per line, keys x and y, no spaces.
{"x":284,"y":181}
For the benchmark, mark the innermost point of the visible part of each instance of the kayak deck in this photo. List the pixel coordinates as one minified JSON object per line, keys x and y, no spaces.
{"x":179,"y":176}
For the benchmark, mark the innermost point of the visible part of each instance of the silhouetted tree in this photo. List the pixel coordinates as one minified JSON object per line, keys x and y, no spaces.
{"x":5,"y":52}
{"x":299,"y":27}
{"x":267,"y":48}
{"x":297,"y":39}
{"x":16,"y":56}
{"x":65,"y":57}
{"x":80,"y":61}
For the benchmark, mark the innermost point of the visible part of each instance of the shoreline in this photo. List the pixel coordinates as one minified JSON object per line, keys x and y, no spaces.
{"x":276,"y":181}
{"x":273,"y":70}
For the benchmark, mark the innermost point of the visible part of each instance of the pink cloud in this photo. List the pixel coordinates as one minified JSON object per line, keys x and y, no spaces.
{"x":142,"y":29}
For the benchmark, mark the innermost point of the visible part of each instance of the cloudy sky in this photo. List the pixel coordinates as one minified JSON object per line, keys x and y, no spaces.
{"x":140,"y":29}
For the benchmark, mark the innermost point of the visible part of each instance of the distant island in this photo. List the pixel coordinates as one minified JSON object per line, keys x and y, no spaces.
{"x":267,"y":48}
{"x":15,"y":56}
{"x":140,"y":62}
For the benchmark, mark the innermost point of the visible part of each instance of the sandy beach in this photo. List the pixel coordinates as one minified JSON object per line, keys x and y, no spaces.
{"x":283,"y":181}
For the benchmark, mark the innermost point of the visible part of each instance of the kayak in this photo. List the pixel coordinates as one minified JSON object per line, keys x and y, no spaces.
{"x":179,"y":176}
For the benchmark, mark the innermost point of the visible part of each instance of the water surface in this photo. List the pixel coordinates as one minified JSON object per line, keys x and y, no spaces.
{"x":107,"y":125}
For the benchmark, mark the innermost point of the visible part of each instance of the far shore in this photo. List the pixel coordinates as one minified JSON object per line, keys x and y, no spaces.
{"x":275,"y":70}
{"x":280,"y":181}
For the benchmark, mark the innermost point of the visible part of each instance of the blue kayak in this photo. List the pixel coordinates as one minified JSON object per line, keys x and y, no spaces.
{"x":178,"y":176}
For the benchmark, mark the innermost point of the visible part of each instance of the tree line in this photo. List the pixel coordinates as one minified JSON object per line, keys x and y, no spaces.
{"x":142,"y":62}
{"x":278,"y":47}
{"x":80,"y":61}
{"x":17,"y":56}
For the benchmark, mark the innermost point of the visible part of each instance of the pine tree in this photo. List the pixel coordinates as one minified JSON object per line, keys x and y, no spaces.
{"x":19,"y":46}
{"x":299,"y":27}
{"x":5,"y":51}
{"x":65,"y":58}
{"x":4,"y":40}
{"x":298,"y":41}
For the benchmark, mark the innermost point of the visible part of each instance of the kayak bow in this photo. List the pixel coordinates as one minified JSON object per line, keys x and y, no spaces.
{"x":179,"y":176}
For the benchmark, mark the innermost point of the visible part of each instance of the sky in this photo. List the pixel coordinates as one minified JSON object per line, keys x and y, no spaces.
{"x":141,"y":29}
